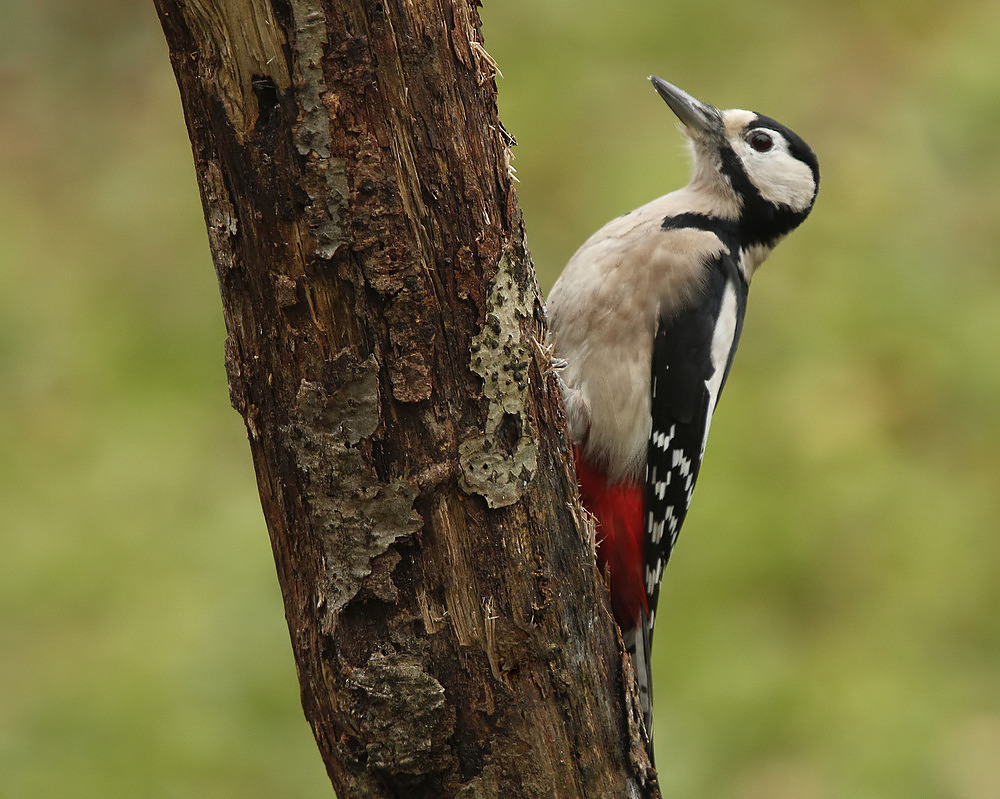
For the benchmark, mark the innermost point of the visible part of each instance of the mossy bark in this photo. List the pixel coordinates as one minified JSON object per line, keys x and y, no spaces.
{"x":386,"y":348}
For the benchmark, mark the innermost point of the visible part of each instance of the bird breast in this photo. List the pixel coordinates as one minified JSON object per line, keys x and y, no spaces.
{"x":604,"y":311}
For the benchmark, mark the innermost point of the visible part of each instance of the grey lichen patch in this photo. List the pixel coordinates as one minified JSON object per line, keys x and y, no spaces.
{"x":330,"y":232}
{"x":357,"y":515}
{"x":328,"y":186}
{"x":406,"y":719}
{"x":499,"y":463}
{"x":313,"y":129}
{"x":352,"y":411}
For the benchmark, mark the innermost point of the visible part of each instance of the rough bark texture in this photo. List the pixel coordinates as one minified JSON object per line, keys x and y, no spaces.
{"x":385,"y":349}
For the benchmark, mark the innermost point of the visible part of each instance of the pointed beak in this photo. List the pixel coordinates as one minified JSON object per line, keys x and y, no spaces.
{"x":698,"y":117}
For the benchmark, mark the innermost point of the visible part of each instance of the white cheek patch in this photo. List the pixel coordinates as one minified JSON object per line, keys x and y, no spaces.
{"x":778,"y":175}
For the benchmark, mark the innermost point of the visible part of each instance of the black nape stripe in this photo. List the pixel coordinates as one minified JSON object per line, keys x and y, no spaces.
{"x":728,"y":230}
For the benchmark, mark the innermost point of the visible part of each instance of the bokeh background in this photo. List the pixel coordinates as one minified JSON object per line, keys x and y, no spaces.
{"x":831,"y":620}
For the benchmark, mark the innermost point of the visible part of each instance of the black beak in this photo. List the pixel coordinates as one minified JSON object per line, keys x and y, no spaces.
{"x":698,"y":117}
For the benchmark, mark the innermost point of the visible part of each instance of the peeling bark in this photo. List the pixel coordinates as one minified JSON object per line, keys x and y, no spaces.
{"x":386,"y":351}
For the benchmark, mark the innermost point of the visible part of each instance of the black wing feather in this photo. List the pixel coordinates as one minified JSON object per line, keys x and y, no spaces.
{"x":681,"y":370}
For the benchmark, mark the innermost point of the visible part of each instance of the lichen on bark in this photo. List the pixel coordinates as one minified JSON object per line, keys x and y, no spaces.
{"x":327,"y":185}
{"x":501,"y":461}
{"x":359,"y":516}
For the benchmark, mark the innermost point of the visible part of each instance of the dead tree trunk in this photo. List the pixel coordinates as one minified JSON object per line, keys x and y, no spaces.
{"x":386,"y":350}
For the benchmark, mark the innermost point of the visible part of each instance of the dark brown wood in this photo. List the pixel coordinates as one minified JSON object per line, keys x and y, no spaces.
{"x":386,"y":350}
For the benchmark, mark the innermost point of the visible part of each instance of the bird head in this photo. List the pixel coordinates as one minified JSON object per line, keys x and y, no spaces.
{"x":765,"y":171}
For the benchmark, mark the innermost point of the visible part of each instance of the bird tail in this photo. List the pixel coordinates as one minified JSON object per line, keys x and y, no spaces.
{"x":638,"y":643}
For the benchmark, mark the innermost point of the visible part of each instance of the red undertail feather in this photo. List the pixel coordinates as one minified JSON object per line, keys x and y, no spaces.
{"x":618,"y":509}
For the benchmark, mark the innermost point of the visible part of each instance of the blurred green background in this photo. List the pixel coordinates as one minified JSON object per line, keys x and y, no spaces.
{"x":829,"y":624}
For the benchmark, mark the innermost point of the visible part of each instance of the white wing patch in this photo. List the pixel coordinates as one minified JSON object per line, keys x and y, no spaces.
{"x":676,"y":448}
{"x":722,"y":345}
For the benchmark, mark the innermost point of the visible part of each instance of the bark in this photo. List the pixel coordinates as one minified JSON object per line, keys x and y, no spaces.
{"x":386,"y":348}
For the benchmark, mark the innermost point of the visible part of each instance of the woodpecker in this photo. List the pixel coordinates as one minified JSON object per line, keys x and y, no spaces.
{"x":646,"y":317}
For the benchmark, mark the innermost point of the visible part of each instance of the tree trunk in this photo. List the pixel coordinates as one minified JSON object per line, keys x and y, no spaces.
{"x":387,"y":351}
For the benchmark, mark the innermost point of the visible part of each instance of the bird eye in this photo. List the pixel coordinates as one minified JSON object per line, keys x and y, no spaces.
{"x":760,"y":141}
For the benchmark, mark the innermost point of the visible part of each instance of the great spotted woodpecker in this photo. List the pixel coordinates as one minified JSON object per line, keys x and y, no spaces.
{"x":646,"y":317}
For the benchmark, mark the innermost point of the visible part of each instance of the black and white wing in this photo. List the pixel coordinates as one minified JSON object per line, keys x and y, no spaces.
{"x":692,"y":354}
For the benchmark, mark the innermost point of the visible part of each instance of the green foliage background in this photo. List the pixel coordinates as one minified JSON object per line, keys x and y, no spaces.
{"x":830,"y":622}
